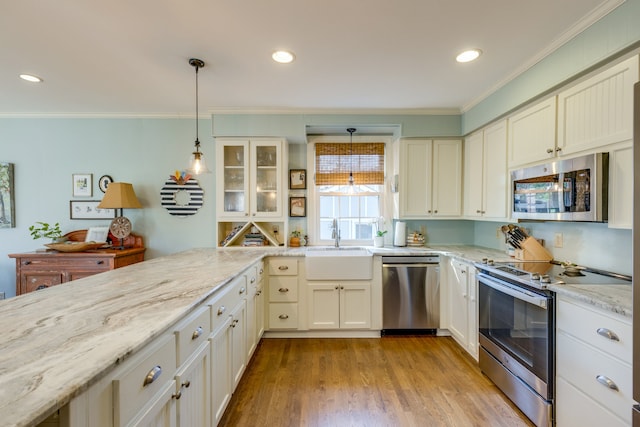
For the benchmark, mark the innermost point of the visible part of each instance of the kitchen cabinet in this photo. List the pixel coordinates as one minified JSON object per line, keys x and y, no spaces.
{"x":532,"y":133}
{"x":282,"y":286}
{"x":339,"y":305}
{"x":598,"y":110}
{"x":486,"y":180}
{"x":596,"y":387}
{"x":251,"y":189}
{"x":255,"y":308}
{"x":621,"y":187}
{"x":463,"y":305}
{"x":430,"y":179}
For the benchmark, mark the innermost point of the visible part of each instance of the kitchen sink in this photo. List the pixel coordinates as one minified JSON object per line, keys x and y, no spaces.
{"x":346,"y":263}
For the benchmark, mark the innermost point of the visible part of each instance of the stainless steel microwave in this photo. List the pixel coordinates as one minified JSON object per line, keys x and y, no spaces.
{"x":575,"y":189}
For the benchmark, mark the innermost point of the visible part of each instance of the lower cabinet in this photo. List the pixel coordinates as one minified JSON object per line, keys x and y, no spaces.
{"x":339,"y":305}
{"x":283,"y":292}
{"x":221,"y":369}
{"x":193,"y":386}
{"x":463,"y":305}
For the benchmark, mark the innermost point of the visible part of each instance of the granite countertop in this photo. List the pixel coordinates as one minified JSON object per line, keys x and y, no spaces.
{"x":57,"y":343}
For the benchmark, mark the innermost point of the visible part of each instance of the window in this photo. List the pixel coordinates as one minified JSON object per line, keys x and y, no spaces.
{"x":356,"y":207}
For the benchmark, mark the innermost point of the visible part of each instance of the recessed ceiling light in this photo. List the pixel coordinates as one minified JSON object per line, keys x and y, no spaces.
{"x":30,"y":78}
{"x":283,"y":56}
{"x":469,"y":55}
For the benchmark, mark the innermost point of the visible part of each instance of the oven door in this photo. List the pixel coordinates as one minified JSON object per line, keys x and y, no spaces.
{"x":517,"y":325}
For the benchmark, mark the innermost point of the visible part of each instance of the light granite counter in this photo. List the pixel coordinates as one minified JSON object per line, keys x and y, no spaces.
{"x":56,"y":343}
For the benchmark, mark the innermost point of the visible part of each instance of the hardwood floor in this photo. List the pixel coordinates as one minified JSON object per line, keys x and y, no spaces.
{"x":390,"y":381}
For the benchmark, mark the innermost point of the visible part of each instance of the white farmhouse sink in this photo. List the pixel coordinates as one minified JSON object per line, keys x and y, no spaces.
{"x":347,"y":263}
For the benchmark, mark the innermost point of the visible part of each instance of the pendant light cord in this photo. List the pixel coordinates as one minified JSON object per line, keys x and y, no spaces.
{"x":197,"y":115}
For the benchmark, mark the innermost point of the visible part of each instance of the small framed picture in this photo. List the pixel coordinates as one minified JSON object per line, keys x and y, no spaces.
{"x":88,"y":209}
{"x":82,"y":185}
{"x":97,"y":234}
{"x":104,"y":182}
{"x":297,"y":206}
{"x":297,"y":179}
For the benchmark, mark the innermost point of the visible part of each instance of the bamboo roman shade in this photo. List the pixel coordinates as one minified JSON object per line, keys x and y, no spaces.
{"x":334,"y":162}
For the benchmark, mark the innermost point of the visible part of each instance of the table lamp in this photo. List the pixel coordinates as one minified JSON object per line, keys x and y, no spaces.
{"x":120,"y":195}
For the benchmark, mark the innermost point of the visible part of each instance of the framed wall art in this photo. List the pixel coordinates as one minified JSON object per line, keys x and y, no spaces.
{"x":297,"y":206}
{"x":88,"y":209}
{"x":7,"y":203}
{"x":82,"y":185}
{"x":297,"y":179}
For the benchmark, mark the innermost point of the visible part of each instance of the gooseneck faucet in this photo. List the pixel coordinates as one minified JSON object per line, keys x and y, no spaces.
{"x":335,"y":232}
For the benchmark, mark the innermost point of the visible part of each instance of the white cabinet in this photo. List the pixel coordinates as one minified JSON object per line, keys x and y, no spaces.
{"x":463,"y":305}
{"x":339,"y":305}
{"x":283,"y":292}
{"x":593,"y":360}
{"x":486,"y":181}
{"x":193,"y":381}
{"x":430,"y":179}
{"x":599,"y":110}
{"x":255,"y":308}
{"x":221,"y":385}
{"x":532,"y":133}
{"x":250,"y":191}
{"x":621,"y":187}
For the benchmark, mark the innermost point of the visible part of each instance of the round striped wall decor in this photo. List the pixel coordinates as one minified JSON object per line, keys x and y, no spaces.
{"x":182,"y":207}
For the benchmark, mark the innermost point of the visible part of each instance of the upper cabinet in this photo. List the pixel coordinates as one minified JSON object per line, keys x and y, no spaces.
{"x":430,"y":181}
{"x":486,"y":180}
{"x":532,"y":133}
{"x":250,"y":191}
{"x":598,"y":111}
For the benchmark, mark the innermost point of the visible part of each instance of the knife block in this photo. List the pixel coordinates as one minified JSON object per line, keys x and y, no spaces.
{"x":532,"y":251}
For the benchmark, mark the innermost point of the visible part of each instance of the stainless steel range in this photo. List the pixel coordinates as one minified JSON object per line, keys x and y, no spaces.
{"x":516,"y":314}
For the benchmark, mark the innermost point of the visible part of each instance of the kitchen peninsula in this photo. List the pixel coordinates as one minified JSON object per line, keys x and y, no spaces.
{"x":59,"y":342}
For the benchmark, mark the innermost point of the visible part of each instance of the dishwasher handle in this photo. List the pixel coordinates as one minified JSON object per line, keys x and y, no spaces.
{"x":409,"y":265}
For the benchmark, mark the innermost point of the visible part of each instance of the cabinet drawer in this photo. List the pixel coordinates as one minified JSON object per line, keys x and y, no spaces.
{"x":283,"y":315}
{"x":581,"y":364}
{"x":71,"y":263}
{"x":260,"y":269}
{"x":283,"y":289}
{"x":192,"y":332}
{"x":130,"y":393}
{"x":283,"y":266}
{"x":222,"y":304}
{"x":252,"y":276}
{"x":593,"y":326}
{"x":37,"y":280}
{"x":576,"y":409}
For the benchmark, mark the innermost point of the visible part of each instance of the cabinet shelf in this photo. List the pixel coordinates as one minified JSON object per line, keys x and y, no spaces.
{"x":235,"y":232}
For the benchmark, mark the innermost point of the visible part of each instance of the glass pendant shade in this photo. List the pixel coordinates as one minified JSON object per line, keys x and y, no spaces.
{"x":197,"y":164}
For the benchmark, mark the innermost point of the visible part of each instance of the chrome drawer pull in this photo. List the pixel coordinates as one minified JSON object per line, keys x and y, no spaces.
{"x":221,"y":310}
{"x":608,"y":334}
{"x":152,"y":375}
{"x":283,"y":317}
{"x":261,"y":271}
{"x":253,"y":280}
{"x":283,"y":267}
{"x":242,"y":291}
{"x":283,"y":290}
{"x":607,"y":382}
{"x":196,"y":334}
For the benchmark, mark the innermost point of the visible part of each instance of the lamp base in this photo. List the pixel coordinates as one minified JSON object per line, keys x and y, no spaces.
{"x":121,"y":228}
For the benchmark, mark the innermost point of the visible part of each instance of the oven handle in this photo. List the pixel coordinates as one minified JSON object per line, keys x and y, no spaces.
{"x":517,"y":293}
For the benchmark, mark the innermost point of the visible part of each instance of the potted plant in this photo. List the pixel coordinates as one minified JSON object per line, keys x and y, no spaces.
{"x":43,"y":229}
{"x":294,"y":240}
{"x":378,"y":239}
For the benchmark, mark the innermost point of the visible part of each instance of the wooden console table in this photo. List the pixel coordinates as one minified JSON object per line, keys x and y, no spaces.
{"x":40,"y":270}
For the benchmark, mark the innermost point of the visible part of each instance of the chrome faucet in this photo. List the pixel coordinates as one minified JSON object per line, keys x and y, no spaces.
{"x":335,"y":232}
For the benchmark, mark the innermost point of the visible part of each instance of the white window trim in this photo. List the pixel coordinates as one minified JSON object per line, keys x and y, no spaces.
{"x":312,"y":207}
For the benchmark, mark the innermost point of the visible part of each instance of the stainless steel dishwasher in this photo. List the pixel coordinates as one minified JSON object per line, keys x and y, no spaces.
{"x":410,"y":295}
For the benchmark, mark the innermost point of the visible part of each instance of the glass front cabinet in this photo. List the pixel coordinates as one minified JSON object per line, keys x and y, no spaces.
{"x":250,"y":189}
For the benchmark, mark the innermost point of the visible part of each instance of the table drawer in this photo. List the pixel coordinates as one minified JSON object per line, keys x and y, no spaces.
{"x":192,"y":332}
{"x":71,"y":263}
{"x":581,"y":365}
{"x":595,"y":327}
{"x":146,"y":376}
{"x":283,"y":315}
{"x":283,"y":266}
{"x":283,"y":289}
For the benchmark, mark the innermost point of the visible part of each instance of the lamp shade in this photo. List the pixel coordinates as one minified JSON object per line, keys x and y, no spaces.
{"x":120,"y":195}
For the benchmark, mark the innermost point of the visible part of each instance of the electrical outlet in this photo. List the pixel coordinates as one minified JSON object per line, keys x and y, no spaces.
{"x":2,"y":296}
{"x":557,"y":240}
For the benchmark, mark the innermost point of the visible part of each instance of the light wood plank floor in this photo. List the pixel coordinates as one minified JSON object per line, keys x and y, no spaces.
{"x":390,"y":381}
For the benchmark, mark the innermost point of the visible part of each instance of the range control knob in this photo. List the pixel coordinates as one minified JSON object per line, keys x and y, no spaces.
{"x":535,"y":276}
{"x":545,"y":279}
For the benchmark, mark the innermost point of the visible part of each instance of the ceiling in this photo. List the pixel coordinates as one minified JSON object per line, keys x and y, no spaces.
{"x":125,"y":57}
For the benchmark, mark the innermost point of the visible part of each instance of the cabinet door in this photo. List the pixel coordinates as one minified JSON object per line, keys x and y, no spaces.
{"x":473,"y":312}
{"x":37,"y":280}
{"x":323,"y":305}
{"x":473,"y":178}
{"x":621,"y":188}
{"x":266,"y":179}
{"x":458,"y":303}
{"x":221,"y":369}
{"x":355,"y":305}
{"x":447,"y":178}
{"x":160,"y":412}
{"x":415,"y":178}
{"x":238,"y":342}
{"x":192,"y":382}
{"x":532,"y":134}
{"x":599,"y":110}
{"x":495,"y":181}
{"x":233,"y":185}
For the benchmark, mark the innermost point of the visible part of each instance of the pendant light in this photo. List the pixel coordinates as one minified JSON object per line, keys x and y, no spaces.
{"x":351,"y":182}
{"x":197,"y":164}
